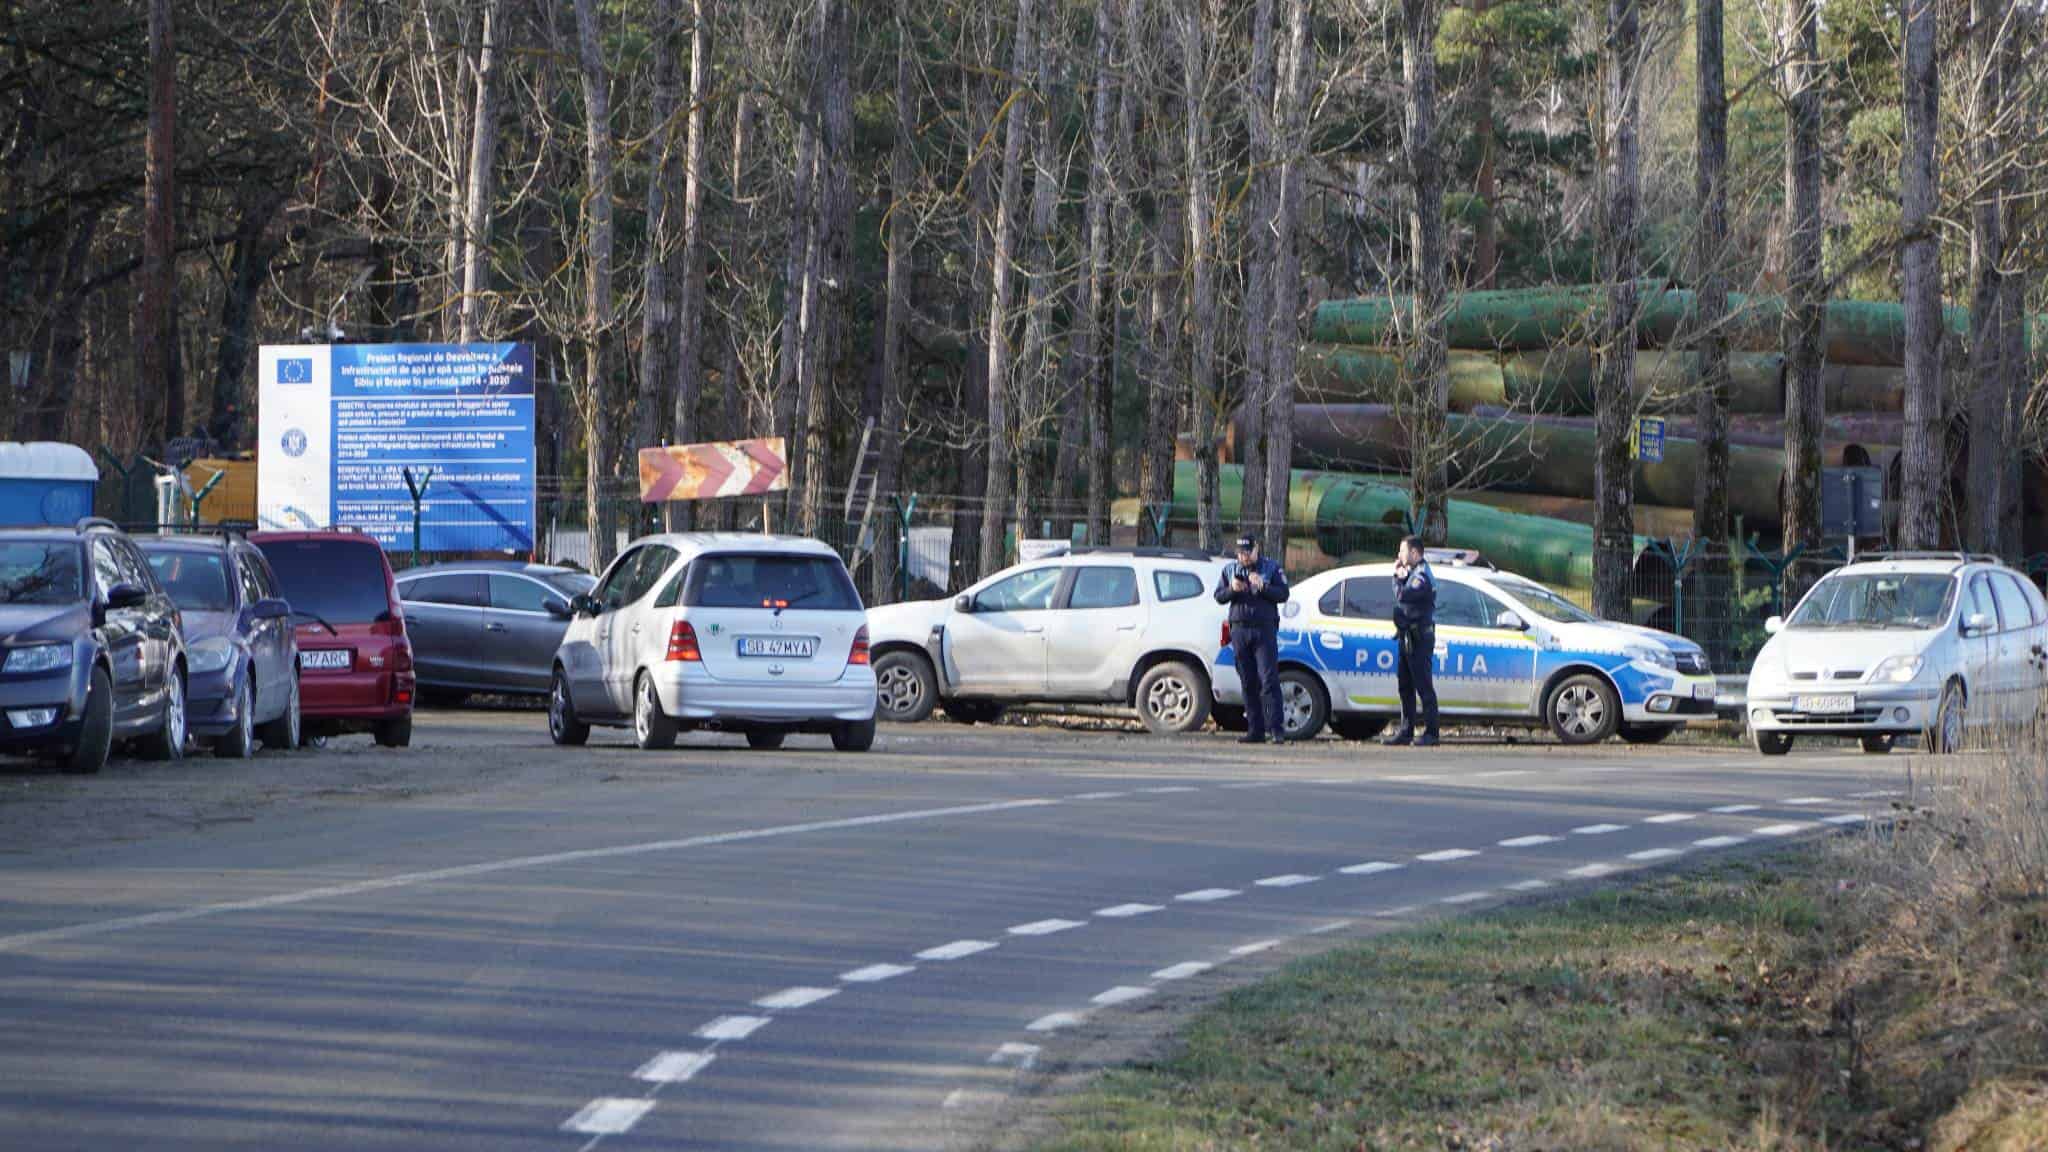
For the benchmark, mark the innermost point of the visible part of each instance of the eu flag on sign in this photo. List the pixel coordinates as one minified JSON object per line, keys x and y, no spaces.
{"x":298,"y":370}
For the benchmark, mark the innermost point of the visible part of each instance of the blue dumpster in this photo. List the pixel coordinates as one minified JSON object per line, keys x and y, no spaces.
{"x":45,"y":483}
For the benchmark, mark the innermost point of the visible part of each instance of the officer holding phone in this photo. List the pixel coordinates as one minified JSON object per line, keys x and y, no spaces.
{"x":1415,"y":631}
{"x":1254,"y":587}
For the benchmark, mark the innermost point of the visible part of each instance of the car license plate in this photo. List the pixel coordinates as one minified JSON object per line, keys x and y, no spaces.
{"x":779,"y":647}
{"x":1824,"y":705}
{"x":328,"y":660}
{"x":1703,"y":691}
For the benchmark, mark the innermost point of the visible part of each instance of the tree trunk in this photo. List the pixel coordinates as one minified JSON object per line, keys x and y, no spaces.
{"x":1613,"y":472}
{"x":1297,"y":78}
{"x":657,"y":310}
{"x":483,"y":151}
{"x":600,"y":463}
{"x":1099,"y":312}
{"x":2023,"y":43}
{"x":249,"y":271}
{"x":1258,"y":270}
{"x":156,"y":347}
{"x":1198,"y":21}
{"x":1428,"y":446}
{"x":1924,"y":458}
{"x":971,"y":460}
{"x":1486,"y":184}
{"x":997,"y":501}
{"x":738,"y":228}
{"x":1039,"y":399}
{"x":835,"y":230}
{"x":1804,"y":303}
{"x":689,"y":331}
{"x":798,"y":295}
{"x":896,"y":381}
{"x":1710,"y":255}
{"x":1990,"y":444}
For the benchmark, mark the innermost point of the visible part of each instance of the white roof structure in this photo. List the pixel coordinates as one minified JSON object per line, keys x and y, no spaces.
{"x":46,"y":460}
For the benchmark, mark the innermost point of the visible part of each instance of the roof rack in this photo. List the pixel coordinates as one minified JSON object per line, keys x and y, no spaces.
{"x":1933,"y":554}
{"x":1145,"y":552}
{"x":232,"y":529}
{"x":1459,"y":558}
{"x":95,"y":523}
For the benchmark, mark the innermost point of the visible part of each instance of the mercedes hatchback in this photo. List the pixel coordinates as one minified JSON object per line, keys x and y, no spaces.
{"x":761,"y":635}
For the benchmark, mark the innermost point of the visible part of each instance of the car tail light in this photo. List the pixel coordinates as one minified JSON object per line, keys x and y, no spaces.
{"x":389,"y":624}
{"x":1226,"y":634}
{"x":859,"y":655}
{"x":682,"y":643}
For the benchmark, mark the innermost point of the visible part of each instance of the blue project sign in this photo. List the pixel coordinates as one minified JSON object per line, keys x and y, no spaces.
{"x":341,"y":426}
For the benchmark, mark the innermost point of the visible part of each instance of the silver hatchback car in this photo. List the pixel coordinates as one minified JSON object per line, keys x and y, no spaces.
{"x":762,"y":635}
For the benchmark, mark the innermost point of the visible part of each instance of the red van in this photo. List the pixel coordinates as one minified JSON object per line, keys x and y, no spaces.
{"x":355,"y":662}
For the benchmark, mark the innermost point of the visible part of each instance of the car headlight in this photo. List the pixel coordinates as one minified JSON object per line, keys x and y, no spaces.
{"x":38,"y":658}
{"x":209,"y":656}
{"x":1900,"y":669}
{"x":1661,"y":657}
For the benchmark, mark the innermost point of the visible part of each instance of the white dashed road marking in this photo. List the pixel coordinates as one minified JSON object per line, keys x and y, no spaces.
{"x":1880,"y":794}
{"x":1805,"y":800}
{"x":1672,"y":818}
{"x":1590,"y":871}
{"x":1248,"y":785}
{"x":795,"y":998}
{"x":1648,"y":854}
{"x":1054,"y":1021}
{"x":1168,"y":790}
{"x":1720,"y":842}
{"x":1020,"y":1056}
{"x":1369,"y":868}
{"x":1121,"y":994}
{"x":1126,"y":911}
{"x":1734,"y":809}
{"x":1446,"y":855}
{"x":608,"y":1116}
{"x":1254,"y":948}
{"x":875,"y":973}
{"x":1500,"y":775}
{"x":1332,"y":926}
{"x":1529,"y":885}
{"x":1528,"y":841}
{"x":674,"y":1067}
{"x":1206,"y":895}
{"x":1597,"y":829}
{"x":1846,"y":818}
{"x":1467,"y":897}
{"x":1182,"y":971}
{"x":958,"y":949}
{"x":1043,"y":927}
{"x":1291,"y":880}
{"x":732,"y":1027}
{"x":1100,"y":796}
{"x":1416,"y":778}
{"x":1782,"y":829}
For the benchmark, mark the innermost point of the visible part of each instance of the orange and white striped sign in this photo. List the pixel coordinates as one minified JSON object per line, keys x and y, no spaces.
{"x":714,"y":470}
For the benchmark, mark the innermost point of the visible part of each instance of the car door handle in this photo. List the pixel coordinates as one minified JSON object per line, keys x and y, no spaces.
{"x":1127,"y":627}
{"x":494,"y":626}
{"x":1034,"y":628}
{"x":636,"y":629}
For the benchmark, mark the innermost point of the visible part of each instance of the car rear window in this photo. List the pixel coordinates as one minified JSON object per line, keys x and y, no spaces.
{"x":1172,"y":584}
{"x":35,"y":572}
{"x":197,"y":581}
{"x":339,"y":581}
{"x":732,"y":580}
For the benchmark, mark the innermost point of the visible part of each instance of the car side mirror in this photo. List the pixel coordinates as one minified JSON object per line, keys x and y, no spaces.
{"x":126,"y":595}
{"x":583,"y":605}
{"x":270,"y":609}
{"x":557,"y":608}
{"x":1976,"y":624}
{"x":1511,"y":620}
{"x":1774,"y":625}
{"x":965,"y":603}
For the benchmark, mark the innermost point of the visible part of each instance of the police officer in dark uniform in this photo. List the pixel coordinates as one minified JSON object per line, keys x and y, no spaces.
{"x":1415,"y":630}
{"x":1255,"y":587}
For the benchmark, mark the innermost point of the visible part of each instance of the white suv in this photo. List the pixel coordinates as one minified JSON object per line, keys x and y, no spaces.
{"x":1137,"y":627}
{"x":763,"y":635}
{"x":1928,"y":643}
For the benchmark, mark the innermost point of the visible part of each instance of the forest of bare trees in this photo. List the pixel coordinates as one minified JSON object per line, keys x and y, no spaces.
{"x":1038,"y":247}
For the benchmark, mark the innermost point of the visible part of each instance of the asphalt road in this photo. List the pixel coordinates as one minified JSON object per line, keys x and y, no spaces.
{"x":718,"y":948}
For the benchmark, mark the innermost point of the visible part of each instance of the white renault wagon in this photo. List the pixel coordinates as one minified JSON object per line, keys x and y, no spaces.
{"x":761,"y":635}
{"x":1934,"y":644}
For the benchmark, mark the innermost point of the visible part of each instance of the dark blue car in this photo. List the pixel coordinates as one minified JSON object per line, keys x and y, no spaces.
{"x":241,"y":652}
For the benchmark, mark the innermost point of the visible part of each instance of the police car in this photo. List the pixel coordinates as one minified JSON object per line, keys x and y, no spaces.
{"x":1507,"y":649}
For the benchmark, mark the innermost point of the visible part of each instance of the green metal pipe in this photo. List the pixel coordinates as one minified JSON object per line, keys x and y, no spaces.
{"x":1350,"y":374}
{"x":1565,"y":381}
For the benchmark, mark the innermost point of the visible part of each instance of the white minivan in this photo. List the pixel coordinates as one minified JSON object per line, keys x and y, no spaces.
{"x":761,"y":635}
{"x":1933,"y":644}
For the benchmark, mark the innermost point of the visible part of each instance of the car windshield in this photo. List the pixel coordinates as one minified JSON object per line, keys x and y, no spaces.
{"x":815,"y":583}
{"x":1918,"y":600}
{"x":35,"y":572}
{"x":1545,"y":603}
{"x":197,"y":581}
{"x":338,"y":581}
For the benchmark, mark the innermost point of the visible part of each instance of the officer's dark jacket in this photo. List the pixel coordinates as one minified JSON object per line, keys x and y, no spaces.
{"x":1415,"y":599}
{"x":1254,"y":608}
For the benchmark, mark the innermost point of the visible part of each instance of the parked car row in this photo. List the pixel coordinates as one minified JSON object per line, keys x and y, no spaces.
{"x":158,"y":641}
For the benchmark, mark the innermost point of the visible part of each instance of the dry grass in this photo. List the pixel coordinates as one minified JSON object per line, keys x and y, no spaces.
{"x":1882,"y":991}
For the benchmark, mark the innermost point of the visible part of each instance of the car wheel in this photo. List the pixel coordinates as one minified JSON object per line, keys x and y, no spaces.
{"x":1647,"y":733}
{"x":1229,"y":718}
{"x":1173,"y":698}
{"x":168,"y":741}
{"x":96,"y":731}
{"x":906,"y":691}
{"x":283,"y":733}
{"x":1583,"y":710}
{"x":240,"y":741}
{"x":1950,"y":721}
{"x":563,"y":726}
{"x":1304,"y":704}
{"x":1879,"y":745}
{"x":1358,"y":727}
{"x":972,"y":711}
{"x":394,"y":733}
{"x":1770,"y":743}
{"x":769,"y":739}
{"x":858,"y":736}
{"x":652,"y":728}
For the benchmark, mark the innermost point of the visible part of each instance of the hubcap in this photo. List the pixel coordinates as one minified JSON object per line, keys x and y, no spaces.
{"x":643,"y":716}
{"x":1579,"y":710}
{"x":1295,"y":705}
{"x":1170,"y":700}
{"x":245,"y":724}
{"x":901,"y":690}
{"x":1952,"y":724}
{"x":292,"y":711}
{"x":174,"y":720}
{"x":558,"y":708}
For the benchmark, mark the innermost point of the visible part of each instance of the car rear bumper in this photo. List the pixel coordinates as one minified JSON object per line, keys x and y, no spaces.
{"x":1906,"y":708}
{"x":688,"y":693}
{"x":380,"y":695}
